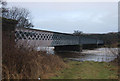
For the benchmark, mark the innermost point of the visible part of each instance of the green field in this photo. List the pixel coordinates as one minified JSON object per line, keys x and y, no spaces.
{"x":87,"y":70}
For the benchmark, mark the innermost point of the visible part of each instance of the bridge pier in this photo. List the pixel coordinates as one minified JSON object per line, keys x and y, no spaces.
{"x":68,"y":48}
{"x":89,"y":46}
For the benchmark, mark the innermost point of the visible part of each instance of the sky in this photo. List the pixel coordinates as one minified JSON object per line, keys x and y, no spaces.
{"x":88,"y":17}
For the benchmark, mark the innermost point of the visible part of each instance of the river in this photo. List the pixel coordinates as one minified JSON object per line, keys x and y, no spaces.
{"x":97,"y":55}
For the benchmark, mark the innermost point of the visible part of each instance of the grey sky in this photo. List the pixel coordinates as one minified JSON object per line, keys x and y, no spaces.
{"x":89,"y":17}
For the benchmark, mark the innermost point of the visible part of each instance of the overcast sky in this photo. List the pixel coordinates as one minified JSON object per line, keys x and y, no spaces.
{"x":89,"y":17}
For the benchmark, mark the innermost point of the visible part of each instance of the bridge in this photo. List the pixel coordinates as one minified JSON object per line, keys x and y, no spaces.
{"x":61,"y":41}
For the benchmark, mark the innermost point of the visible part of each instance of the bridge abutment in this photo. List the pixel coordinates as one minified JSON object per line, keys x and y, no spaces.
{"x":68,"y":48}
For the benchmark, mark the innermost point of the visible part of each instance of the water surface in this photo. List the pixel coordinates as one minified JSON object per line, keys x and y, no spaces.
{"x":97,"y":55}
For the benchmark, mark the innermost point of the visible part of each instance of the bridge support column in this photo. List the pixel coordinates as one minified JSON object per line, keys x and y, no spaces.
{"x":90,"y":46}
{"x":68,"y":48}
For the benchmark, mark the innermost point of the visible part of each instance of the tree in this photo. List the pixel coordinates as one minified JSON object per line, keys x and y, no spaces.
{"x":3,"y":8}
{"x":77,"y":32}
{"x":21,"y":15}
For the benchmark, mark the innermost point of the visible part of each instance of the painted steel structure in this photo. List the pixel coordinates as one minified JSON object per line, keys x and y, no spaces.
{"x":43,"y":38}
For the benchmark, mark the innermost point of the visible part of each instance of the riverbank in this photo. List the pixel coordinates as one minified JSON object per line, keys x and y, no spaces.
{"x":87,"y":70}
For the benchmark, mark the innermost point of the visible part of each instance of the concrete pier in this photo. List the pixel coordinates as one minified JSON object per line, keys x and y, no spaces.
{"x":68,"y":48}
{"x":89,"y":46}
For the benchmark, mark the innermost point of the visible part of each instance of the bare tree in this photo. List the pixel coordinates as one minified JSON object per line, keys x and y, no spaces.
{"x":22,"y":15}
{"x":3,"y":8}
{"x":77,"y":32}
{"x":3,"y":3}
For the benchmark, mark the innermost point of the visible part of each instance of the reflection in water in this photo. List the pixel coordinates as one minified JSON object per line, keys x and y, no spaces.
{"x":99,"y":55}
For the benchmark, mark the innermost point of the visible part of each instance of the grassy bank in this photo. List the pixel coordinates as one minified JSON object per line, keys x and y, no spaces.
{"x":87,"y":70}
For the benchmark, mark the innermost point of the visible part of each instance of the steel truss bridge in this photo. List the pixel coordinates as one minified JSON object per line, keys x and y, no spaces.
{"x":41,"y":38}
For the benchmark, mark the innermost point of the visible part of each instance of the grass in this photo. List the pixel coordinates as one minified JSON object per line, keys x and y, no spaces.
{"x":87,"y":70}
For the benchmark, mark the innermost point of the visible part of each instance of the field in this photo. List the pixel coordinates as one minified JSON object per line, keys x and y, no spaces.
{"x":87,"y":70}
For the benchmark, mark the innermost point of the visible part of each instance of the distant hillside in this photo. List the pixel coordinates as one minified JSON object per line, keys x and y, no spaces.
{"x":110,"y":39}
